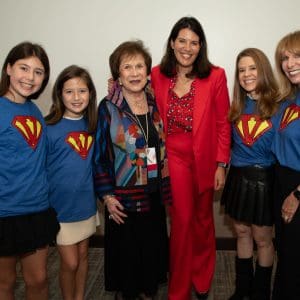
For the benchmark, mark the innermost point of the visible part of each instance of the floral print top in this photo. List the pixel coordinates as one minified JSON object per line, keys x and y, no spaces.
{"x":180,"y":110}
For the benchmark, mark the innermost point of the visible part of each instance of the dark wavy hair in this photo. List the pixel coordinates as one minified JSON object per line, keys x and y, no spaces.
{"x":202,"y":66}
{"x":57,"y":109}
{"x":21,"y":51}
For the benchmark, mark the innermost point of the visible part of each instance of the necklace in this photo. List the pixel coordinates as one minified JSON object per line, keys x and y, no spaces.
{"x":138,"y":106}
{"x":139,"y":103}
{"x":145,"y":134}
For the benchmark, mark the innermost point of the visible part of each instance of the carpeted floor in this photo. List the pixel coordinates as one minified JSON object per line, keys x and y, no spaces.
{"x":221,"y":290}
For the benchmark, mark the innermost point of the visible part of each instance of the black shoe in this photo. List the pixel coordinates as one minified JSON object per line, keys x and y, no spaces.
{"x":202,"y":296}
{"x":143,"y":296}
{"x":119,"y":296}
{"x":239,"y":297}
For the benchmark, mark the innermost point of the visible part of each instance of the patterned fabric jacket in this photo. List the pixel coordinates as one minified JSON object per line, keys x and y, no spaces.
{"x":120,"y":154}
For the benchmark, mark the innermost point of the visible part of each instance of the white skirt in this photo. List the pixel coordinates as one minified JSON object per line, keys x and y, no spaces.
{"x":75,"y":232}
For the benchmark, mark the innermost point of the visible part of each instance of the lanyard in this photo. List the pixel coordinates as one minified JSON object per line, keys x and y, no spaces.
{"x":145,"y":134}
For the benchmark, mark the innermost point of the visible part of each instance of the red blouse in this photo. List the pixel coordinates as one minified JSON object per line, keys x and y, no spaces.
{"x":180,"y":110}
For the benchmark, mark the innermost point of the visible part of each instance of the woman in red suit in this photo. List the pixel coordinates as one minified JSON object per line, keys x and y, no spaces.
{"x":192,"y":97}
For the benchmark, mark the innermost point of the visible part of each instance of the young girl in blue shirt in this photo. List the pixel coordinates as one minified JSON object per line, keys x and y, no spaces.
{"x":248,"y":191}
{"x":27,"y":224}
{"x":70,"y":133}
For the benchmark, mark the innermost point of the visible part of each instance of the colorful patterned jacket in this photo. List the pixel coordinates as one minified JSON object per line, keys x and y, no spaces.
{"x":120,"y":155}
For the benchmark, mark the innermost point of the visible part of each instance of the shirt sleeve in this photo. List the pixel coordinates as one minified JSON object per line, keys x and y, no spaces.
{"x":223,"y":125}
{"x":104,"y":178}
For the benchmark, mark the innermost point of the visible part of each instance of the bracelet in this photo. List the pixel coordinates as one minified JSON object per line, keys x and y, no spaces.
{"x":107,"y":197}
{"x":222,"y":165}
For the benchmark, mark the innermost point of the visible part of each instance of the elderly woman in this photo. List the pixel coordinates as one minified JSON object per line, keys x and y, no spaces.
{"x":286,"y":147}
{"x":131,"y":176}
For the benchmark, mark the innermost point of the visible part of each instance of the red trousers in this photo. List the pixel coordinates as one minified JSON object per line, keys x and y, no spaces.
{"x":192,"y":239}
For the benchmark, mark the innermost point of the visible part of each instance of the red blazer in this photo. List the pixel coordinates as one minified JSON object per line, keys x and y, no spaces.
{"x":211,"y":128}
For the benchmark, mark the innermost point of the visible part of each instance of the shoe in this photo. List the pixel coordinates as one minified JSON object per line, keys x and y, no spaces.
{"x":119,"y":296}
{"x":202,"y":296}
{"x":145,"y":297}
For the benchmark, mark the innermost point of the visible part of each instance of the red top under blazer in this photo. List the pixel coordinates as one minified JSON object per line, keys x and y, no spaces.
{"x":211,"y":128}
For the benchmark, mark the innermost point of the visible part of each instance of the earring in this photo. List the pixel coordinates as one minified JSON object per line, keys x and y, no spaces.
{"x":120,"y":82}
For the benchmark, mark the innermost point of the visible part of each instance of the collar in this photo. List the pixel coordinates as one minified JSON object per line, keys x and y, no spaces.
{"x":116,"y":97}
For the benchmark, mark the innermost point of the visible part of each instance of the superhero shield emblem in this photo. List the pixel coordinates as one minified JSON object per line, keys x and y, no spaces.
{"x":292,"y":113}
{"x":30,"y":128}
{"x":80,"y":142}
{"x":251,"y":127}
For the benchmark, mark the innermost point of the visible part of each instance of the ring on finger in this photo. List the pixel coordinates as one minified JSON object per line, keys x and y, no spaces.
{"x":110,"y":216}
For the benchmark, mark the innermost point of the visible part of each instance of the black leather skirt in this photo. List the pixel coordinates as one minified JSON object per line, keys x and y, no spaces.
{"x":248,"y":194}
{"x":24,"y":234}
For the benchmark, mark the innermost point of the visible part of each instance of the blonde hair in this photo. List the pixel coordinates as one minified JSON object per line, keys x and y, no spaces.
{"x":291,"y":43}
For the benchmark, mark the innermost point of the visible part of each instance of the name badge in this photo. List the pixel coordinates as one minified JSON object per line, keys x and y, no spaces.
{"x":151,"y":162}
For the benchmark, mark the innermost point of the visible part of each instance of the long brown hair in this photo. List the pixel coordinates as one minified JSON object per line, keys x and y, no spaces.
{"x":291,"y":43}
{"x":266,"y":88}
{"x":21,"y":51}
{"x":57,"y":109}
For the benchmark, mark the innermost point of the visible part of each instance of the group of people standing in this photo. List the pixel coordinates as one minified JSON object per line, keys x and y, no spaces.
{"x":156,"y":147}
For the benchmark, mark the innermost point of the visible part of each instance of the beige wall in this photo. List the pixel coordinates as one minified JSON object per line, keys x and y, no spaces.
{"x":86,"y":32}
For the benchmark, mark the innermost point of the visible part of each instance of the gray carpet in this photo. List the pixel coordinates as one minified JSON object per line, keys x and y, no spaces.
{"x":221,"y":289}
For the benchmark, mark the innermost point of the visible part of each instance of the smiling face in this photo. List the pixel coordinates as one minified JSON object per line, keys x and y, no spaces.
{"x":75,"y":95}
{"x":133,"y":74}
{"x":186,"y":48}
{"x":26,"y":78}
{"x":291,"y":66}
{"x":247,"y":75}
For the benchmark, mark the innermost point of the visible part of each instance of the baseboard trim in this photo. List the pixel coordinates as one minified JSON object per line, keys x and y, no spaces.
{"x":97,"y":241}
{"x":228,"y":243}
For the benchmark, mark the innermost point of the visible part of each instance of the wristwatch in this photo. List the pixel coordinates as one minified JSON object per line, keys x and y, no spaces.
{"x":296,"y":193}
{"x":224,"y":165}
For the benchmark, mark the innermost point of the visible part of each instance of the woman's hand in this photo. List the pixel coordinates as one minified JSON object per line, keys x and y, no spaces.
{"x":289,"y":207}
{"x":115,"y":209}
{"x":219,"y":178}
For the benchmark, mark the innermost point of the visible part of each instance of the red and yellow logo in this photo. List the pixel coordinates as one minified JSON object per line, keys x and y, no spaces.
{"x":30,"y":128}
{"x":81,"y":142}
{"x":292,"y":113}
{"x":251,"y":127}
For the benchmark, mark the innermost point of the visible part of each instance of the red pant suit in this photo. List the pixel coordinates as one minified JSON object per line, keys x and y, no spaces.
{"x":192,"y":165}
